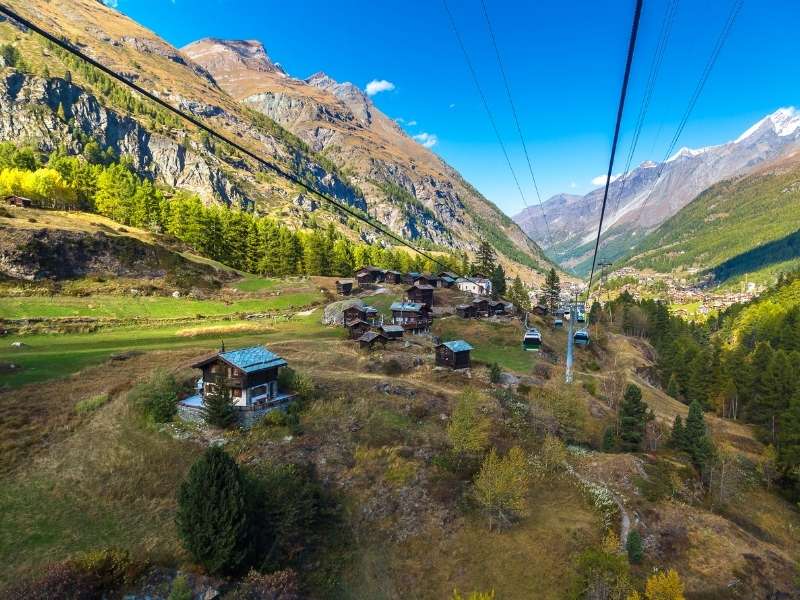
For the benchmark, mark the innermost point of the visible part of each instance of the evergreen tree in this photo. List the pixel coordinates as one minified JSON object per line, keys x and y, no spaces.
{"x":519,"y":296}
{"x":633,"y":546}
{"x":677,"y":438}
{"x":609,"y":440}
{"x":633,"y":418}
{"x":595,"y":313}
{"x":486,"y":258}
{"x":757,"y":409}
{"x":697,"y":441}
{"x":552,"y":290}
{"x":498,"y":278}
{"x":218,"y":405}
{"x":789,"y":439}
{"x":672,"y":387}
{"x":212,"y":517}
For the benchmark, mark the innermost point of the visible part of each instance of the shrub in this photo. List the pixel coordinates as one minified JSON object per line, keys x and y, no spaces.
{"x":212,"y":517}
{"x":502,"y":486}
{"x":299,"y":383}
{"x":91,"y":404}
{"x":600,"y":574}
{"x":633,"y":547}
{"x":664,"y":586}
{"x":392,"y":367}
{"x":552,"y":454}
{"x":495,"y":372}
{"x":180,"y":589}
{"x":157,"y":398}
{"x":468,"y":431}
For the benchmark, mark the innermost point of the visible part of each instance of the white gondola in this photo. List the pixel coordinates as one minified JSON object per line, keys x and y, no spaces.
{"x":532,"y":341}
{"x":558,"y":323}
{"x":581,"y":317}
{"x":581,"y":337}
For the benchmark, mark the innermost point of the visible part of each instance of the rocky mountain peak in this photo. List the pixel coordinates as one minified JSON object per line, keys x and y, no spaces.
{"x":217,"y":54}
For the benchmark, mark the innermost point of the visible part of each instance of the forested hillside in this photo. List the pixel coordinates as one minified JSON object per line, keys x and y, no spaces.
{"x":743,"y":225}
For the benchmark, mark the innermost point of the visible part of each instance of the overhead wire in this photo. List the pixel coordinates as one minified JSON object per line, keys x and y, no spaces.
{"x":717,"y":48}
{"x":637,"y":14}
{"x":516,"y":119}
{"x":65,"y":45}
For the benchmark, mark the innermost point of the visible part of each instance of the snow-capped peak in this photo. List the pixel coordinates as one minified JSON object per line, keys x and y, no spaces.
{"x":784,"y":121}
{"x":688,"y":152}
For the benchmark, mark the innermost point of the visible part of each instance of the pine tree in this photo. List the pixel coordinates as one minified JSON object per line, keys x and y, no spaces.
{"x":552,"y":290}
{"x":677,"y":438}
{"x":595,"y":313}
{"x":498,"y":278}
{"x":218,"y":405}
{"x":633,"y":417}
{"x":212,"y":516}
{"x":673,"y":389}
{"x":697,"y":442}
{"x":519,"y":296}
{"x":789,"y":439}
{"x":757,"y":409}
{"x":633,"y":546}
{"x":486,"y":258}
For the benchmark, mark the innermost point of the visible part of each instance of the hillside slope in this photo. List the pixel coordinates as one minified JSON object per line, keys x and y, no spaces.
{"x":407,"y":186}
{"x":744,"y":225}
{"x":53,"y":100}
{"x":653,"y":192}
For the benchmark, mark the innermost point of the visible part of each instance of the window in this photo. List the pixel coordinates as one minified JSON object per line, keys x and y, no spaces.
{"x":259,"y":390}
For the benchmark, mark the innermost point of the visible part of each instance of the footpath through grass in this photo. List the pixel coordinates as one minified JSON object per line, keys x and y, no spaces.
{"x":49,"y":356}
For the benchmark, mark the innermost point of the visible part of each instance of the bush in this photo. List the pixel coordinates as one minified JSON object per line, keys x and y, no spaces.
{"x":180,"y":589}
{"x":392,"y":367}
{"x":633,"y":546}
{"x":212,"y":517}
{"x":301,"y":384}
{"x":280,"y":585}
{"x":553,"y":454}
{"x":91,"y":404}
{"x":495,"y":372}
{"x":501,"y":486}
{"x":600,"y":574}
{"x":157,"y":398}
{"x":468,"y":430}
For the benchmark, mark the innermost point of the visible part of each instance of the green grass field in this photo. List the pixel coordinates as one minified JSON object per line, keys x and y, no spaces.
{"x":49,"y":356}
{"x":150,"y":307}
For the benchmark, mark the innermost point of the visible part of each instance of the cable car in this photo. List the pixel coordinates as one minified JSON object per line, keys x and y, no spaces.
{"x":532,"y":340}
{"x":558,"y":323}
{"x":581,"y":317}
{"x":581,"y":337}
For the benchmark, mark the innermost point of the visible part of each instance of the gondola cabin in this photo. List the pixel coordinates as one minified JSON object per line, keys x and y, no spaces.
{"x":558,"y":323}
{"x":370,"y":339}
{"x":581,"y":337}
{"x":421,"y":293}
{"x":532,"y":340}
{"x":453,"y":354}
{"x":581,"y":317}
{"x":344,"y":287}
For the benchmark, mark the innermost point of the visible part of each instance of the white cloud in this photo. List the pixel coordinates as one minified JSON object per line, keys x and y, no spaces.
{"x":601,"y":179}
{"x":411,"y":123}
{"x":111,"y":3}
{"x":573,"y":185}
{"x":452,"y":106}
{"x":429,"y":140}
{"x":376,"y":86}
{"x":400,"y":120}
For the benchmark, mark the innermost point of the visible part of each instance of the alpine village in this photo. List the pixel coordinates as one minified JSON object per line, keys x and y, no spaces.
{"x":258,"y":341}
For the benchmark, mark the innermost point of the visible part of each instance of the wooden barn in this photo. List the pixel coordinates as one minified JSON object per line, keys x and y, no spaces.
{"x":447,"y":281}
{"x":453,"y":354}
{"x":361,"y":313}
{"x":357,"y":328}
{"x":481,"y":306}
{"x":465,"y":311}
{"x":430,"y":280}
{"x":412,"y":316}
{"x":344,"y":287}
{"x":497,"y":307}
{"x":393,"y":277}
{"x":370,"y":339}
{"x":20,"y":201}
{"x":250,"y":375}
{"x":369,"y":275}
{"x":540,"y":311}
{"x":421,"y":293}
{"x":411,"y":277}
{"x":392,"y":332}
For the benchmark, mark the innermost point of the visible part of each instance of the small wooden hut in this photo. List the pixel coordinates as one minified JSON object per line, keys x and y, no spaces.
{"x":421,"y":293}
{"x":357,"y":328}
{"x":454,"y":354}
{"x":465,"y":311}
{"x":392,"y":332}
{"x":370,"y":339}
{"x":344,"y":287}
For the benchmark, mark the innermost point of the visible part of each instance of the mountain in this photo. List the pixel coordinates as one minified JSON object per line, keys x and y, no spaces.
{"x":661,"y":188}
{"x":406,"y":185}
{"x":745,"y":226}
{"x":54,"y":101}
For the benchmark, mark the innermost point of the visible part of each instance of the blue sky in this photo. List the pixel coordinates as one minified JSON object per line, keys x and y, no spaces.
{"x":564,"y":61}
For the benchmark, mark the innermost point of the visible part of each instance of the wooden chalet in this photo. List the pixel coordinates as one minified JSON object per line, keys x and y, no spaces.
{"x":421,"y":293}
{"x":445,"y":281}
{"x":357,"y":328}
{"x":453,"y":354}
{"x":344,"y":287}
{"x":361,"y":313}
{"x":540,"y":311}
{"x":393,"y":277}
{"x":392,"y":332}
{"x":481,"y":306}
{"x":466,"y":311}
{"x":497,"y":307}
{"x":412,"y":316}
{"x":20,"y":201}
{"x":370,"y":339}
{"x":430,"y":280}
{"x":368,"y":275}
{"x":250,"y":375}
{"x":411,"y":277}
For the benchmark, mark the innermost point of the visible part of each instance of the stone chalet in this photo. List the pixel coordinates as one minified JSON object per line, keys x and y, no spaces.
{"x":251,"y":376}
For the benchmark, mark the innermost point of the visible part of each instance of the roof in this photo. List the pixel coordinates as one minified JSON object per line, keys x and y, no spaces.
{"x":464,"y":306}
{"x":457,"y":346}
{"x":356,"y":322}
{"x":370,"y":336}
{"x":394,"y":272}
{"x":414,"y":274}
{"x":369,"y":310}
{"x":447,"y":278}
{"x":249,"y":360}
{"x":392,"y":328}
{"x":370,"y":268}
{"x":423,"y":286}
{"x":407,"y":306}
{"x":350,"y":281}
